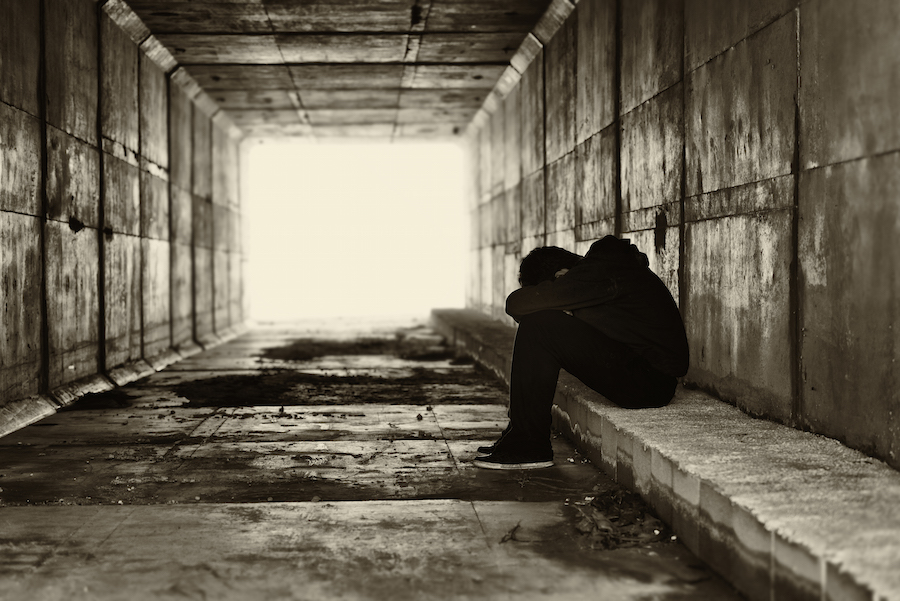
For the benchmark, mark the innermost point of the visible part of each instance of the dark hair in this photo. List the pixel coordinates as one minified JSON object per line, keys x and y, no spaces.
{"x":541,"y":264}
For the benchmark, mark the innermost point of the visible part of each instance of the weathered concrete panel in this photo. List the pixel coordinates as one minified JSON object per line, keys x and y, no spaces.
{"x":450,"y":99}
{"x":740,"y":111}
{"x":20,"y":317}
{"x":20,"y":40}
{"x":850,"y":57}
{"x":156,"y":296}
{"x":662,"y":249}
{"x":182,"y":282}
{"x":497,"y":126}
{"x":452,"y":77}
{"x":653,"y":151}
{"x":202,"y":154}
{"x":154,"y":207}
{"x":236,"y":288}
{"x":73,"y":180}
{"x":712,"y":27}
{"x":595,"y":185}
{"x":512,"y":154}
{"x":850,"y":303}
{"x":348,"y":48}
{"x":122,"y":264}
{"x":518,"y":15}
{"x":235,"y":234}
{"x":561,"y":194}
{"x":353,"y":77}
{"x":222,"y":296}
{"x":469,"y":47}
{"x":205,"y":49}
{"x":20,"y":161}
{"x":498,"y":219}
{"x":203,"y":293}
{"x":595,"y":67}
{"x":498,"y":288}
{"x":756,"y":197}
{"x":437,"y":116}
{"x":282,"y":118}
{"x":226,"y":168}
{"x":486,"y":230}
{"x":121,"y":196}
{"x":652,"y":49}
{"x":487,"y":279}
{"x":485,"y":154}
{"x":533,"y":206}
{"x":154,"y":114}
{"x":72,"y":75}
{"x":182,"y":216}
{"x":73,"y":308}
{"x":119,"y":117}
{"x":559,"y":69}
{"x":344,"y":16}
{"x":533,"y":116}
{"x":202,"y":222}
{"x":220,"y":166}
{"x":202,"y":17}
{"x":221,"y":236}
{"x":181,"y":136}
{"x":512,"y":211}
{"x":737,"y":309}
{"x":273,"y":99}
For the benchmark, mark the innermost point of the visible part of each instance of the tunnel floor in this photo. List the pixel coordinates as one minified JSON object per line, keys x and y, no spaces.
{"x":318,"y":460}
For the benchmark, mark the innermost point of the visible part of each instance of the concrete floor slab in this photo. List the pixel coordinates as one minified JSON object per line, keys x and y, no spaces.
{"x":262,"y":483}
{"x":439,"y":549}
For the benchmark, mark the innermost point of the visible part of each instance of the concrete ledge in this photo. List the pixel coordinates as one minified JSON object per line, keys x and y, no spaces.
{"x":780,"y":513}
{"x":129,"y":372}
{"x":19,"y":413}
{"x":67,"y":394}
{"x":23,"y":412}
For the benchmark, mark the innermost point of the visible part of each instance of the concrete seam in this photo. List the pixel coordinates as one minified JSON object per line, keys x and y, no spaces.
{"x":617,"y":120}
{"x":546,"y":177}
{"x":44,"y":382}
{"x":682,"y":229}
{"x":142,"y":259}
{"x":193,"y":234}
{"x":170,"y":187}
{"x":794,"y":317}
{"x":101,"y":209}
{"x":212,"y":225}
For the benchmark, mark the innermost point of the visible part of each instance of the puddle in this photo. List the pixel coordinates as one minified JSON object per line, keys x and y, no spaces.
{"x":403,"y":347}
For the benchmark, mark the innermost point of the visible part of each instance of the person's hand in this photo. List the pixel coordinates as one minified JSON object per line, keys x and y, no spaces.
{"x":560,"y":273}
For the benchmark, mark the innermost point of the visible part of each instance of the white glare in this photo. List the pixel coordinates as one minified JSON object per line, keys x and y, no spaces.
{"x":354,"y":229}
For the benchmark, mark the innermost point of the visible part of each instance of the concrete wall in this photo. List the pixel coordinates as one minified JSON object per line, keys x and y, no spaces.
{"x":751,"y":150}
{"x":112,"y":252}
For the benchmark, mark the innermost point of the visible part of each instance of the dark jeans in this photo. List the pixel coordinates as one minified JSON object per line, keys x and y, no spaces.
{"x":549,"y":340}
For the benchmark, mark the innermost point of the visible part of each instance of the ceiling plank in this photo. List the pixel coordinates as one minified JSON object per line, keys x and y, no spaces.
{"x":342,"y":48}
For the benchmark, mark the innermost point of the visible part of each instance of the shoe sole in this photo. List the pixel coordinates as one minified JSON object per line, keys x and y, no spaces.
{"x":531,"y":465}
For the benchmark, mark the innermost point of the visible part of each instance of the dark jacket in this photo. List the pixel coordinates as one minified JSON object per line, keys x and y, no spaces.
{"x":613,"y":289}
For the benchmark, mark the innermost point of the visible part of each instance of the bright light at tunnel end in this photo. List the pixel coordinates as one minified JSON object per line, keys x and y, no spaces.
{"x":353,"y":229}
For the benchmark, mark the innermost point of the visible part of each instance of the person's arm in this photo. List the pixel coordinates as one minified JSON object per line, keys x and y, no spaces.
{"x":566,"y":293}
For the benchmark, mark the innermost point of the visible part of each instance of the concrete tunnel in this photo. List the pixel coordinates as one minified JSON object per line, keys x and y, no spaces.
{"x":751,"y":149}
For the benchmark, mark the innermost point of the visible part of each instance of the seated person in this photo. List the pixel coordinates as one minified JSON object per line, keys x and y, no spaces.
{"x":606,"y":319}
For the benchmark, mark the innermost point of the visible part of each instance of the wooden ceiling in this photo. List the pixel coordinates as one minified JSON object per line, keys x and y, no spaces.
{"x":346,"y":68}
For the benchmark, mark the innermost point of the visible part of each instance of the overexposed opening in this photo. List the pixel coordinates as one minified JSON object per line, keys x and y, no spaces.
{"x":353,"y":229}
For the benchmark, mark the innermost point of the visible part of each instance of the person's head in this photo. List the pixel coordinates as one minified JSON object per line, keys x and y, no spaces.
{"x":542,"y":263}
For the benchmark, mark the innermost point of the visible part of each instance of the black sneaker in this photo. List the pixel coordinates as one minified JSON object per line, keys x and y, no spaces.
{"x":488,"y":449}
{"x":503,"y":460}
